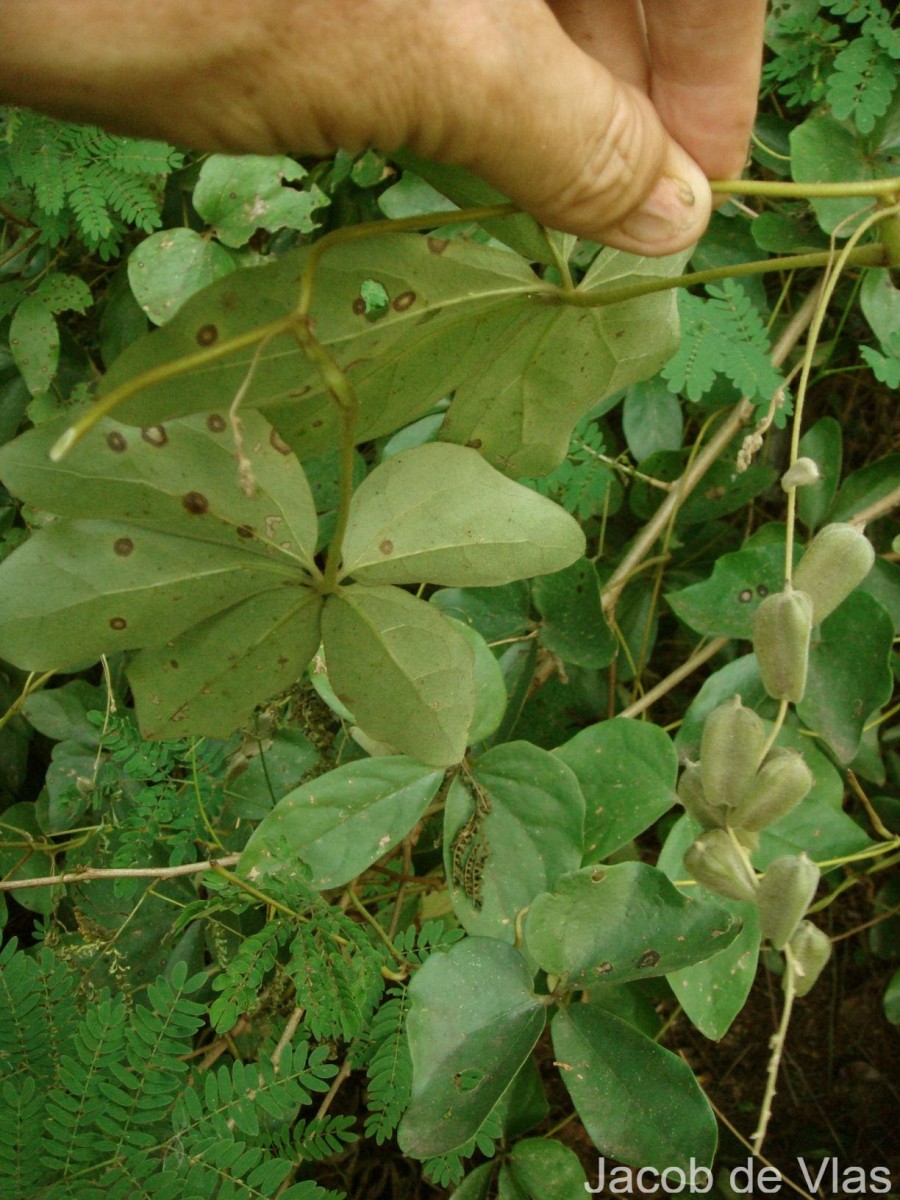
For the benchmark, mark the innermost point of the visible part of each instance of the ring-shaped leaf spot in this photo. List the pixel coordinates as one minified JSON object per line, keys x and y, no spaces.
{"x":472,"y":1009}
{"x":512,"y":826}
{"x":341,"y":822}
{"x":724,"y":604}
{"x":490,"y":689}
{"x":180,"y":477}
{"x":403,"y":671}
{"x":208,"y":680}
{"x":712,"y":992}
{"x":612,"y":924}
{"x":79,"y":589}
{"x":441,"y":514}
{"x":638,"y":1102}
{"x":627,"y":771}
{"x":574,"y":626}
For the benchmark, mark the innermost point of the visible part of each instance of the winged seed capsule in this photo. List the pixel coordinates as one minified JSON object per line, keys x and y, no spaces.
{"x":838,"y":558}
{"x":731,"y":748}
{"x":781,"y":631}
{"x":691,"y":795}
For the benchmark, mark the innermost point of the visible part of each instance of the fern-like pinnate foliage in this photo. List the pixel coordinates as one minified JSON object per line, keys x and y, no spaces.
{"x":77,"y":180}
{"x":101,"y":1103}
{"x":722,"y":335}
{"x":819,"y":55}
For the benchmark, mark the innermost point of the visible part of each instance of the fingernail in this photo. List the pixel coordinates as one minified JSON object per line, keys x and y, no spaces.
{"x":669,"y":211}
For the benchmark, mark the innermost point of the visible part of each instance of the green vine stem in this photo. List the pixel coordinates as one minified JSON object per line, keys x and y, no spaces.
{"x":777,"y":1044}
{"x":806,"y":191}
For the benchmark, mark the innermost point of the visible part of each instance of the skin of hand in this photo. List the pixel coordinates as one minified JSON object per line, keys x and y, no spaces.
{"x":604,"y":118}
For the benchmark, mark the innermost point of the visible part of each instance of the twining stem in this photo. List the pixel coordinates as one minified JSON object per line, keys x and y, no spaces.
{"x":777,"y":1044}
{"x":775,"y":730}
{"x":829,"y":283}
{"x":92,"y":873}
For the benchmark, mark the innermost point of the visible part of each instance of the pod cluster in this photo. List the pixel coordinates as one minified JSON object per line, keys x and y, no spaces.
{"x":734,"y":792}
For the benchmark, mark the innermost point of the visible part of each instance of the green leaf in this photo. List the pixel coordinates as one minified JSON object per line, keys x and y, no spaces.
{"x":849,"y":674}
{"x":402,"y":669}
{"x":574,"y":625}
{"x":64,"y":293}
{"x":208,"y":680}
{"x":79,"y":589}
{"x":168,"y":267}
{"x":892,"y":999}
{"x":341,"y":822}
{"x":34,"y":343}
{"x":440,"y":513}
{"x":546,"y":1170}
{"x":638,"y":1102}
{"x":825,"y":151}
{"x":724,"y":605}
{"x":476,"y":1184}
{"x":518,"y":815}
{"x":497,"y":613}
{"x":823,"y":443}
{"x":473,"y":1021}
{"x":627,"y":772}
{"x":617,"y":923}
{"x":238,"y":194}
{"x":19,"y":831}
{"x":713,"y":991}
{"x":651,"y":419}
{"x":866,"y":486}
{"x":880,"y":301}
{"x":490,"y":688}
{"x":180,"y":479}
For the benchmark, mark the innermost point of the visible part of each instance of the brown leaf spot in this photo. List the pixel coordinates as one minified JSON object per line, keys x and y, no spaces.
{"x":762,"y":590}
{"x":649,"y":958}
{"x":207,"y":335}
{"x":277,"y":442}
{"x":123,"y":546}
{"x":117,"y":623}
{"x":437,"y":245}
{"x":155,"y":435}
{"x":195,"y":503}
{"x":173,"y":663}
{"x":216,"y":423}
{"x":603,"y":968}
{"x":245,"y":531}
{"x":359,"y":306}
{"x":404,"y":301}
{"x":116,"y":442}
{"x":387,"y":546}
{"x":598,"y":876}
{"x":475,"y":444}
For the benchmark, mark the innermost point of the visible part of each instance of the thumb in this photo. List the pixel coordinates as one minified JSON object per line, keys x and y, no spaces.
{"x":563,"y":138}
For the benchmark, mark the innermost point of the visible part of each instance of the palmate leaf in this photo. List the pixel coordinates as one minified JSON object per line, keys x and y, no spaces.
{"x":460,"y":317}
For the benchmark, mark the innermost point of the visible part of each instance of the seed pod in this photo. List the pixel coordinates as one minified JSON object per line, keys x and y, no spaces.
{"x":803,"y":472}
{"x":730,"y":752}
{"x":692,"y":796}
{"x":779,"y":786}
{"x":781,"y":631}
{"x":715,"y":862}
{"x":811,"y":949}
{"x":838,"y":558}
{"x":785,"y":893}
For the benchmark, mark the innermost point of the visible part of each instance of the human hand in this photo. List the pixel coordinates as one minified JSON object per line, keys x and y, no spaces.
{"x":568,"y":107}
